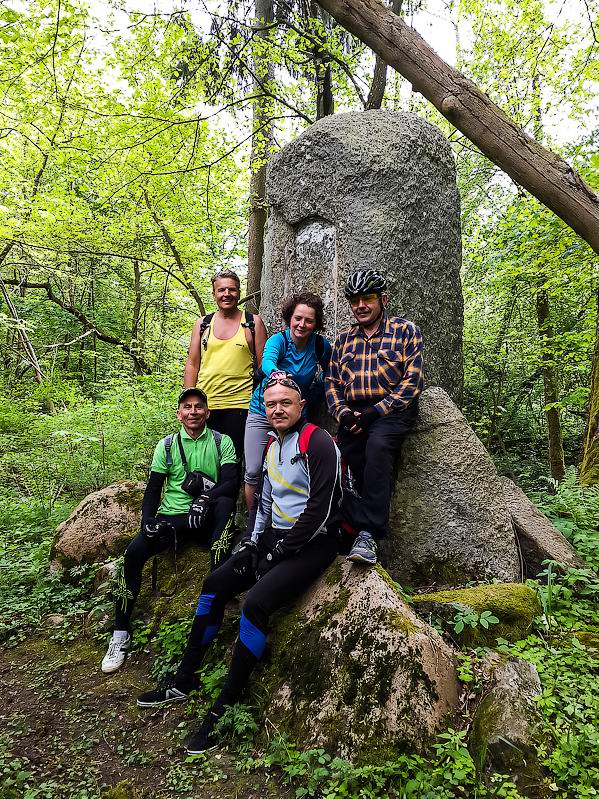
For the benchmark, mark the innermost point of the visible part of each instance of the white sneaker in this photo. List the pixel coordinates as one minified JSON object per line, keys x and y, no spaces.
{"x":115,"y":654}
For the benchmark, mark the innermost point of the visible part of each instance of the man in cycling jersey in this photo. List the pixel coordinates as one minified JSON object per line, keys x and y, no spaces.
{"x":292,"y":537}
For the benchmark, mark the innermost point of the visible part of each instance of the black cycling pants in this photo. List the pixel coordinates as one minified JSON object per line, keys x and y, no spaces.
{"x":282,"y":584}
{"x":216,"y":534}
{"x":371,"y":456}
{"x":230,"y":422}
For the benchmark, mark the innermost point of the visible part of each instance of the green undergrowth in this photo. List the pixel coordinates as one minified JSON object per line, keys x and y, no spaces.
{"x":562,"y":645}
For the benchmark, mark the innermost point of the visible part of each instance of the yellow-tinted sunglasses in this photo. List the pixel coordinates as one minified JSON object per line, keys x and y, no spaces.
{"x":360,"y":298}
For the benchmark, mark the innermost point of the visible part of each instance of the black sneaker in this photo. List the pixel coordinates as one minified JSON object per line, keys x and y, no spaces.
{"x":364,"y":549}
{"x":203,"y":740}
{"x":164,"y":694}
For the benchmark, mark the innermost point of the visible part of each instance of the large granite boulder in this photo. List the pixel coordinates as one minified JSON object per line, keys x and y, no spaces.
{"x":101,"y":526}
{"x":353,"y":669}
{"x":539,"y":538}
{"x":370,"y":189}
{"x":449,"y":523}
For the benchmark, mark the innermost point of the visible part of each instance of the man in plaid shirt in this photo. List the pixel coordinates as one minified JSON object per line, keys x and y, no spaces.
{"x":374,"y":380}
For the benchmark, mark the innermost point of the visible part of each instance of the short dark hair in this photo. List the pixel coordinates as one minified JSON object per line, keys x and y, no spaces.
{"x":229,"y":273}
{"x":304,"y":298}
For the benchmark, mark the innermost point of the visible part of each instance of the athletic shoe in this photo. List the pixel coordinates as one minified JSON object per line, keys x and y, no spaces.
{"x":364,"y":549}
{"x":116,"y":653}
{"x":164,"y":694}
{"x":203,"y":740}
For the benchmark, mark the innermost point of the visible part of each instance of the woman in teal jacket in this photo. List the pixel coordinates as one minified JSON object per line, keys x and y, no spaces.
{"x":298,"y":350}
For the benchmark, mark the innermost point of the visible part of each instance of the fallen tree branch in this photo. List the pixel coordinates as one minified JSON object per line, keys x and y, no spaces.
{"x":541,"y":172}
{"x":141,"y":365}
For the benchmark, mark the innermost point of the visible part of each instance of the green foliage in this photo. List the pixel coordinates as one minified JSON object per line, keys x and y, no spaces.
{"x":575,"y":512}
{"x":29,"y":594}
{"x":88,"y":444}
{"x":447,"y":773}
{"x":170,"y":643}
{"x":466,"y":616}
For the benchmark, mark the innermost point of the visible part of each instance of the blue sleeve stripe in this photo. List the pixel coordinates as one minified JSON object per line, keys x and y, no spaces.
{"x":204,"y":604}
{"x":253,"y":638}
{"x":210,"y":633}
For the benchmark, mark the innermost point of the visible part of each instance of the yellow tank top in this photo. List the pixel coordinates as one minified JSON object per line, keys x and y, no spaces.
{"x":226,"y":370}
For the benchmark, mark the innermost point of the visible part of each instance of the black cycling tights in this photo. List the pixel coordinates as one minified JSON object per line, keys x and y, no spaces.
{"x":281,"y":585}
{"x":216,"y":532}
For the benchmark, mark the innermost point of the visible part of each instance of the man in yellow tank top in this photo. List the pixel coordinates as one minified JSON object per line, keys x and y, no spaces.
{"x":221,"y":359}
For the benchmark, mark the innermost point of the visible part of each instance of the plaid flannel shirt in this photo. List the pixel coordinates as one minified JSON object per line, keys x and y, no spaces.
{"x":385,"y":369}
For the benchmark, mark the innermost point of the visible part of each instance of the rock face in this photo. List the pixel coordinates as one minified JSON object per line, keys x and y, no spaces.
{"x":539,"y":539}
{"x":506,"y":728}
{"x":100,"y":526}
{"x":353,"y":668}
{"x":449,"y":522}
{"x":370,"y":189}
{"x":514,"y":604}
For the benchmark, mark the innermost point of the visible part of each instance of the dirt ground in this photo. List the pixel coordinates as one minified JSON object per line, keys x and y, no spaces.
{"x":67,"y":730}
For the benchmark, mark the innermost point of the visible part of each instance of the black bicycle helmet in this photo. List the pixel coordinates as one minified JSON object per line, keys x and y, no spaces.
{"x":364,"y":281}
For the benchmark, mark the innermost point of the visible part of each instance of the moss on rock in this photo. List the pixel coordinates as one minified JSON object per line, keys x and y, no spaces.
{"x":514,"y":604}
{"x":193,"y":564}
{"x":332,"y":608}
{"x":130,"y":496}
{"x":334,"y":573}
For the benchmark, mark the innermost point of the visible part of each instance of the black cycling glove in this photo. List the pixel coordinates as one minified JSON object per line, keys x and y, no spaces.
{"x":367,"y":417}
{"x":347,"y":420}
{"x":197,"y":511}
{"x":275,"y":556}
{"x":245,"y":559}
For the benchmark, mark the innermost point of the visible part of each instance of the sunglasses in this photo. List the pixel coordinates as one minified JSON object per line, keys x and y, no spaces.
{"x":360,"y":298}
{"x":283,"y":379}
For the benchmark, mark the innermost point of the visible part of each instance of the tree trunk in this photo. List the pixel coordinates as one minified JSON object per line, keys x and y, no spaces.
{"x":325,"y":102}
{"x":550,"y":386}
{"x":589,"y":468}
{"x":544,"y":174}
{"x":379,"y":78}
{"x":261,"y":144}
{"x":378,"y":85}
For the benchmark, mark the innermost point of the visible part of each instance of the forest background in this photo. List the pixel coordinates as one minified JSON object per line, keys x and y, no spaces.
{"x":133,"y":144}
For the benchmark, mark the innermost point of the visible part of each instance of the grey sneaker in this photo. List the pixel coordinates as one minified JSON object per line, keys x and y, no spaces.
{"x":115,"y":654}
{"x":364,"y":549}
{"x":164,"y":694}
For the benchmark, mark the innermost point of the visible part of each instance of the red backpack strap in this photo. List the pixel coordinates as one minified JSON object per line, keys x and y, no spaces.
{"x":269,"y":442}
{"x":305,"y":435}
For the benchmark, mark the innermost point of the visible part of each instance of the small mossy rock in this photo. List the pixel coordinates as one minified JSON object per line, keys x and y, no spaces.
{"x":99,"y":528}
{"x":353,"y":669}
{"x":514,"y":604}
{"x":449,"y":524}
{"x":538,"y":537}
{"x":506,"y":730}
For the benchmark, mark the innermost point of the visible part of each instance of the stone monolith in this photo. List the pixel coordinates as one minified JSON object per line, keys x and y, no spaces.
{"x":370,"y":189}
